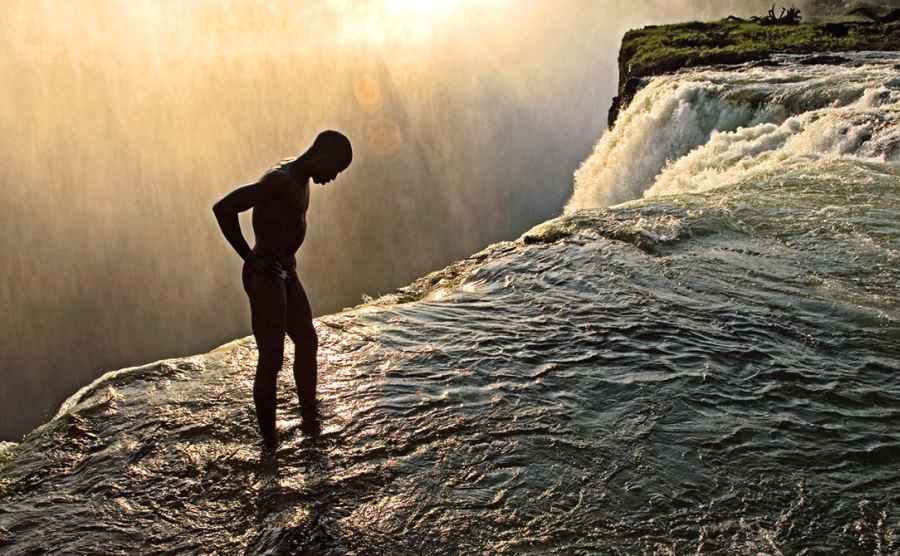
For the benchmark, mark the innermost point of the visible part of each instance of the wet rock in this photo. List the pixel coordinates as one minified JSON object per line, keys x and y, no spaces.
{"x":824,"y":60}
{"x":624,"y":98}
{"x":836,"y":29}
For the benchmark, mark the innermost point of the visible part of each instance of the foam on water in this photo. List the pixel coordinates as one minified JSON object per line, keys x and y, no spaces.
{"x":703,"y":129}
{"x":682,"y":374}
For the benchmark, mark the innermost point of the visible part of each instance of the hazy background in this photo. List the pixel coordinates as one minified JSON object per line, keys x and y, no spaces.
{"x":124,"y":121}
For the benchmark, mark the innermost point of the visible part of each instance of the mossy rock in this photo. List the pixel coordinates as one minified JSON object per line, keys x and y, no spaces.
{"x":661,"y":49}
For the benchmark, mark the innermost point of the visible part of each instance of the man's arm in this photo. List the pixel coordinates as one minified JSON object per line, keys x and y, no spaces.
{"x":239,"y":200}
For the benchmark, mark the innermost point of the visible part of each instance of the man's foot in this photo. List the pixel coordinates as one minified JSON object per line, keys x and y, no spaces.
{"x":311,"y":424}
{"x":270,"y":442}
{"x":311,"y":427}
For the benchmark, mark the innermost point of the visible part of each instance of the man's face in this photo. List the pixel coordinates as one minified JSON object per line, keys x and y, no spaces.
{"x":325,"y":172}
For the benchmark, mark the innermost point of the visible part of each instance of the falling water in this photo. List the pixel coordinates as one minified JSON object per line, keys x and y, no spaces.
{"x":708,"y":370}
{"x":123,"y":122}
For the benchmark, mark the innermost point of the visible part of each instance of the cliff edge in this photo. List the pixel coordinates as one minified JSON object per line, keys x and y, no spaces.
{"x":656,"y":50}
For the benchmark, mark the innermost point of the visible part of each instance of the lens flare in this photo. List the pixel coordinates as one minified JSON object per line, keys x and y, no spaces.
{"x":368,"y":93}
{"x":383,"y":136}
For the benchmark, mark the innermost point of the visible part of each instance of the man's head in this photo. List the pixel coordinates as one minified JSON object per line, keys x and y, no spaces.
{"x":329,"y":155}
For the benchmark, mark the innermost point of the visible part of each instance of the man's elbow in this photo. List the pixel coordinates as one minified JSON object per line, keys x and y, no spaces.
{"x":221,"y":209}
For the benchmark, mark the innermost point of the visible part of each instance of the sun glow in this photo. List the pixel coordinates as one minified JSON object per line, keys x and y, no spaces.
{"x":394,"y":21}
{"x":430,"y":8}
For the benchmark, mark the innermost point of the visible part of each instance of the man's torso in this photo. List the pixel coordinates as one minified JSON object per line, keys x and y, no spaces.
{"x":280,"y":224}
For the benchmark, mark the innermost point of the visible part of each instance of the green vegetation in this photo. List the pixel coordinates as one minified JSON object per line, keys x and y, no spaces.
{"x":660,"y":49}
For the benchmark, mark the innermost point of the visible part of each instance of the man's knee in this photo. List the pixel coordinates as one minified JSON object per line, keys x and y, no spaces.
{"x":312,"y":340}
{"x":271,"y":356}
{"x":304,"y":336}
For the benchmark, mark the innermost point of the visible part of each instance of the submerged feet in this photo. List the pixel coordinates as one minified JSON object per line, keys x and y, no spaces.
{"x":311,"y":423}
{"x":270,"y":442}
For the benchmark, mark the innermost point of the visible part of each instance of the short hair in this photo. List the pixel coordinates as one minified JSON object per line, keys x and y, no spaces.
{"x":334,"y":143}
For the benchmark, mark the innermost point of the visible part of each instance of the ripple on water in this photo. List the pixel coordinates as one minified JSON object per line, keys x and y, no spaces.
{"x":717,"y":389}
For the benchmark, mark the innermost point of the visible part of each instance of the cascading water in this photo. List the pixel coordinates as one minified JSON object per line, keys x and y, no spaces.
{"x":712,"y":368}
{"x":122,"y":122}
{"x":703,"y":129}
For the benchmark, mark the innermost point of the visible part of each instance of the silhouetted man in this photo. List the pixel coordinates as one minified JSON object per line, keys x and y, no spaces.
{"x":278,"y":303}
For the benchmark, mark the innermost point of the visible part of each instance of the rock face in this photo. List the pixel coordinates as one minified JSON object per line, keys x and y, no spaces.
{"x":656,"y":50}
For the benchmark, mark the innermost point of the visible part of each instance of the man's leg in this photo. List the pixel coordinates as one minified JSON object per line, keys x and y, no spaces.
{"x":303,"y":334}
{"x":267,"y":309}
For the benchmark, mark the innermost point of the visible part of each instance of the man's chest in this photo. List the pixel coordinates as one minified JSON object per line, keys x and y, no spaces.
{"x":284,"y":210}
{"x":296,"y":201}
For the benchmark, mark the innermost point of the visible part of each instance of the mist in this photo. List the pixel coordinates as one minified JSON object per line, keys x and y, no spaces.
{"x":123,"y":122}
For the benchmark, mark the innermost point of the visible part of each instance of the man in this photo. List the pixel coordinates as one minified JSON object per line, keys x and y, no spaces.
{"x":278,"y":303}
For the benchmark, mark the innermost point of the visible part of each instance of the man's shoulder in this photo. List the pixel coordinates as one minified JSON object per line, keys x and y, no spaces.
{"x":276,"y":177}
{"x":284,"y":184}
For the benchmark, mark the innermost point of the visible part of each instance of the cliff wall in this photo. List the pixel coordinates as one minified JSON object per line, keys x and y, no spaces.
{"x":656,"y":50}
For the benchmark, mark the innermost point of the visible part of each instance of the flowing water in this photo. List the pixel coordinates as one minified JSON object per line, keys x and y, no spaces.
{"x":121,"y":123}
{"x":710,"y":368}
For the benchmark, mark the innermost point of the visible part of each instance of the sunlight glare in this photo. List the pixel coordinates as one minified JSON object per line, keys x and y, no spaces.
{"x":393,"y":20}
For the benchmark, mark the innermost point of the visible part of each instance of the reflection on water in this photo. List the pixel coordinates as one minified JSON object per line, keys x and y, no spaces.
{"x":123,"y":122}
{"x":675,"y":376}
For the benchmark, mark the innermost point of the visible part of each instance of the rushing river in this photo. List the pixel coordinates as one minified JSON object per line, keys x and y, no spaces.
{"x":711,"y":368}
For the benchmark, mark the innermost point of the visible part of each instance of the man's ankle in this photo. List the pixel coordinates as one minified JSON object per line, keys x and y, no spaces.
{"x":309,"y":409}
{"x":270,"y":441}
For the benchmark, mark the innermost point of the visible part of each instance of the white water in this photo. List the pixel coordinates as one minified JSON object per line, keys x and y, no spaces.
{"x":704,"y":129}
{"x":123,"y":122}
